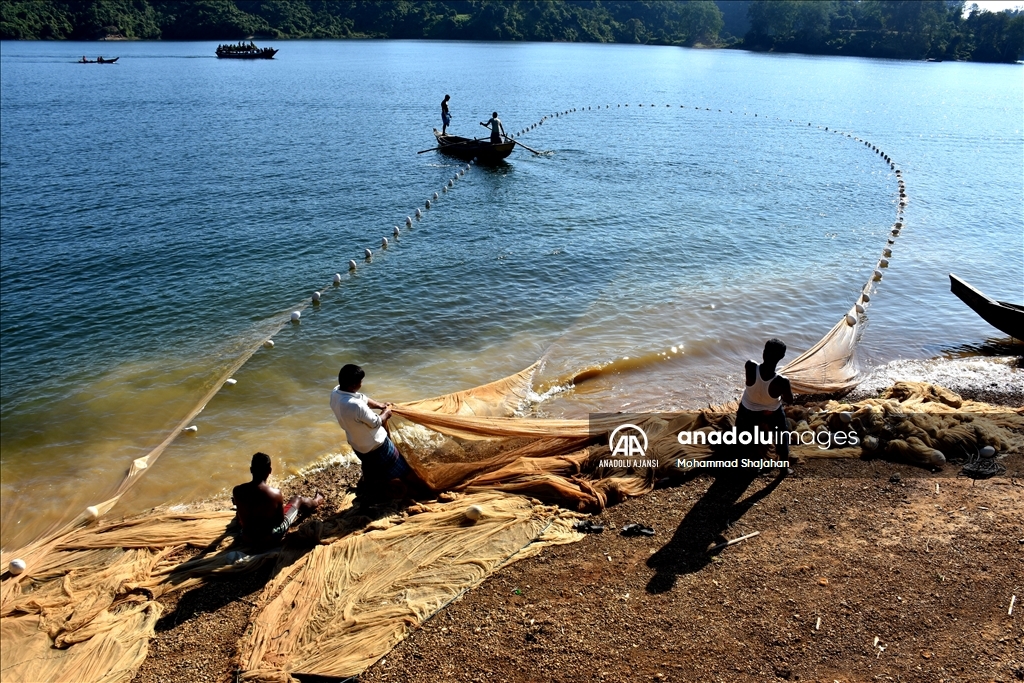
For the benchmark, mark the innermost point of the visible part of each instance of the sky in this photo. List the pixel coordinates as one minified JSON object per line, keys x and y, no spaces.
{"x":994,"y":5}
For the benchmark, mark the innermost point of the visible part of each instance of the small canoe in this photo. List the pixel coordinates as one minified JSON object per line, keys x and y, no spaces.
{"x":1003,"y":316}
{"x":467,"y":149}
{"x":100,"y":60}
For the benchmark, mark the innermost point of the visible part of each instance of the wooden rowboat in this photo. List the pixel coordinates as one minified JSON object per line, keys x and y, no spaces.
{"x":467,"y":149}
{"x":1003,"y":316}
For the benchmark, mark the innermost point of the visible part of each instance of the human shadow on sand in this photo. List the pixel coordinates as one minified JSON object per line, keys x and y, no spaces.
{"x":236,"y":571}
{"x":704,"y":525}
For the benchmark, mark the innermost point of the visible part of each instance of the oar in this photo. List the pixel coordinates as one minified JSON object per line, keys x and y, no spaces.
{"x":525,"y":147}
{"x":517,"y":142}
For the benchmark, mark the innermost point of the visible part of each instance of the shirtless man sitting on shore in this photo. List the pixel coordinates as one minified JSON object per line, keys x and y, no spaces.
{"x":261,"y":510}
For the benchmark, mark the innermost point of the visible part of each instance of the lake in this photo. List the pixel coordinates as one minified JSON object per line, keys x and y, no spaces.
{"x":161,"y":216}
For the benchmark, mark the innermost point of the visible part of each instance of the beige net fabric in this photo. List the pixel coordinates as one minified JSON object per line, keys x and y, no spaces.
{"x":346,"y":604}
{"x":82,"y":611}
{"x":501,"y":397}
{"x":830,"y":366}
{"x":112,"y":648}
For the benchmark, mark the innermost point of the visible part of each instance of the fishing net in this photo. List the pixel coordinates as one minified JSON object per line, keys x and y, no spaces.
{"x":347,"y":588}
{"x":830,"y":366}
{"x":344,"y":605}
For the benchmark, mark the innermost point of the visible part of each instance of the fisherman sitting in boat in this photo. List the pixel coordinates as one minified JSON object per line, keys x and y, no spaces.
{"x":385,"y":471}
{"x":497,"y":131}
{"x":763,"y":396}
{"x":261,"y":510}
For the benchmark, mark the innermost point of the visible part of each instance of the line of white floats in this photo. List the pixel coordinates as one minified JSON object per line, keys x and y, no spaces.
{"x":853,"y":316}
{"x":858,"y":312}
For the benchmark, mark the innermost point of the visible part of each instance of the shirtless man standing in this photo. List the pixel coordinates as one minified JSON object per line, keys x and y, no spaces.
{"x":261,"y":510}
{"x":446,"y":116}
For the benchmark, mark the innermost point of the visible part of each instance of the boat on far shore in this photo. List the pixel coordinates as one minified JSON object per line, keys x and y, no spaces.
{"x":245,"y":51}
{"x":1003,"y":316}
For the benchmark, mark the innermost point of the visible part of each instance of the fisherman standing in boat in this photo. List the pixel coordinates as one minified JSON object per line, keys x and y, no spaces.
{"x":497,"y":130}
{"x":763,"y":397}
{"x":385,"y":471}
{"x":446,"y":117}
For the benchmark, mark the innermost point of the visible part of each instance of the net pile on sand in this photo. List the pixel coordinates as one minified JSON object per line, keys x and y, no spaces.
{"x":343,"y":606}
{"x":341,"y":597}
{"x":924,"y":424}
{"x":570,"y":462}
{"x":346,"y":591}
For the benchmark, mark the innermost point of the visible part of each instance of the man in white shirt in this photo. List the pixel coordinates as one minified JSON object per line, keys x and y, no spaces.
{"x":384,"y":468}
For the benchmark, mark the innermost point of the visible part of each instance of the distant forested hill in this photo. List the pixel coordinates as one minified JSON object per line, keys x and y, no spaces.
{"x":605,"y":21}
{"x":906,"y":29}
{"x":901,"y":29}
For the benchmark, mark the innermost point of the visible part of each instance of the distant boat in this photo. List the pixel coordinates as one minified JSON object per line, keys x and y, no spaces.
{"x":467,"y":149}
{"x":245,"y":51}
{"x":1003,"y":316}
{"x":98,"y":60}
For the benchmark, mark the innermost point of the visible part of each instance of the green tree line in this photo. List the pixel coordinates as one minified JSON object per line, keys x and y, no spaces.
{"x":648,"y":21}
{"x":902,"y":29}
{"x":909,"y":29}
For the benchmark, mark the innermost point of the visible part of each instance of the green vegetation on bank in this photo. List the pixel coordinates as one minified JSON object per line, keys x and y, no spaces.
{"x":905,"y":29}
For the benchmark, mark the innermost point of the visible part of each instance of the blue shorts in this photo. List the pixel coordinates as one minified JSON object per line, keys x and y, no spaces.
{"x":446,"y":119}
{"x":384,"y":462}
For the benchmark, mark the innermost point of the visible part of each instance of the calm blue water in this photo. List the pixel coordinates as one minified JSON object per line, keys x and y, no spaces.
{"x":161,"y":215}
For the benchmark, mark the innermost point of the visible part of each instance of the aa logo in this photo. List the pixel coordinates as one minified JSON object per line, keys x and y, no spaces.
{"x":628,"y":441}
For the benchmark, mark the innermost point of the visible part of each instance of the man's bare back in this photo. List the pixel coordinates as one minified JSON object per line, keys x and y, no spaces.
{"x":260,"y":508}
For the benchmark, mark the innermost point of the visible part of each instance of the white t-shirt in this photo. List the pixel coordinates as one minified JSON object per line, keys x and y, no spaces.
{"x":363,"y":427}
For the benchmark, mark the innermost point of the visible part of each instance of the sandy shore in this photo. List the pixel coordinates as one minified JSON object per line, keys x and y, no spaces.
{"x":860,"y":575}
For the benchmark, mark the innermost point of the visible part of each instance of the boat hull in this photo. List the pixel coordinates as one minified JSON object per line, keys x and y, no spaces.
{"x":1003,"y":316}
{"x":262,"y":54}
{"x":468,"y":149}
